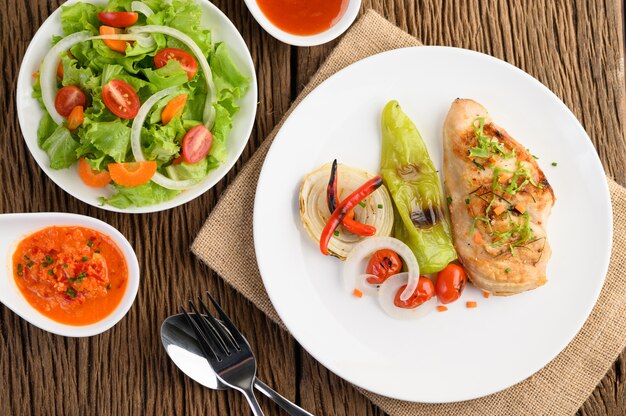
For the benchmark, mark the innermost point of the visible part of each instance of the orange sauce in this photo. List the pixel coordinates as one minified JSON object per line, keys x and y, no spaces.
{"x":73,"y":275}
{"x":303,"y":17}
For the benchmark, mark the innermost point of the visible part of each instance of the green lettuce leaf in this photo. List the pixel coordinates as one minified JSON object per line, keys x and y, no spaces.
{"x":184,"y":171}
{"x":79,"y":17}
{"x":61,"y":148}
{"x":147,"y":194}
{"x":47,"y":126}
{"x":170,"y":75}
{"x":112,"y":138}
{"x":226,"y":75}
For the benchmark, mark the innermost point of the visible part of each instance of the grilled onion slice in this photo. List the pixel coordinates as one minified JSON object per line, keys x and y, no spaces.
{"x":375,"y":210}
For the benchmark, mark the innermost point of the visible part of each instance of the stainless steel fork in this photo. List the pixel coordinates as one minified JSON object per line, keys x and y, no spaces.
{"x":227,"y":351}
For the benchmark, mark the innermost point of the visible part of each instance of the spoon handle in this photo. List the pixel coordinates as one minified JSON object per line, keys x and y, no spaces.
{"x":286,"y":405}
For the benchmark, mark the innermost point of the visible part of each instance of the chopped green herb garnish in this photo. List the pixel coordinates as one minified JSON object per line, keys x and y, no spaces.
{"x":487,"y":145}
{"x":51,"y":272}
{"x":336,"y":233}
{"x":82,"y":274}
{"x":478,"y":165}
{"x":71,"y":292}
{"x":49,"y":259}
{"x":89,"y":243}
{"x":380,"y":206}
{"x":518,"y":234}
{"x":362,"y":204}
{"x":85,"y":258}
{"x":20,"y":270}
{"x":449,"y":199}
{"x":554,"y":163}
{"x":535,"y":157}
{"x":467,"y":201}
{"x":65,"y":266}
{"x":507,"y":270}
{"x":72,"y":279}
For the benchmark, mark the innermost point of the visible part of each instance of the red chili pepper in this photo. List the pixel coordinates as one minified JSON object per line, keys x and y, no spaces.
{"x":345,"y":207}
{"x":348,"y":222}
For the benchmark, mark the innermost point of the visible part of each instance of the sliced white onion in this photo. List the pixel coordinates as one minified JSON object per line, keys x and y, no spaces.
{"x":387,"y":294}
{"x":47,"y":74}
{"x":208,"y":116}
{"x":360,"y":283}
{"x":314,"y":208}
{"x":353,"y":265}
{"x":48,"y":71}
{"x":143,"y":8}
{"x":135,"y":142}
{"x":135,"y":130}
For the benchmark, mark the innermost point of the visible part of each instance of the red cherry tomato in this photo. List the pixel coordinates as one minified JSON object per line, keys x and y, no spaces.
{"x":425,"y":290}
{"x":118,"y":19}
{"x":69,"y":97}
{"x":450,"y":283}
{"x":121,"y":99}
{"x":186,"y":60}
{"x":196,"y":144}
{"x":384,"y":263}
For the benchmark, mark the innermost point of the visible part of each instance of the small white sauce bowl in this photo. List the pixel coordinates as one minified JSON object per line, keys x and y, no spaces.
{"x":15,"y":227}
{"x":310,"y":40}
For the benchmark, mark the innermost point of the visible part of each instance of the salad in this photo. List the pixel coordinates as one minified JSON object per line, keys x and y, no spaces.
{"x":139,"y":97}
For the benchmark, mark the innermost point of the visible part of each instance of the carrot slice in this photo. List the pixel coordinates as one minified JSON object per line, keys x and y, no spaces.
{"x":132,"y":173}
{"x":471,"y":304}
{"x":93,"y":178}
{"x":520,"y":208}
{"x":485,"y":295}
{"x":442,"y":308}
{"x":357,"y":293}
{"x":492,"y":159}
{"x":478,"y":238}
{"x":498,"y":210}
{"x":60,"y":70}
{"x":76,"y":118}
{"x":174,"y":108}
{"x":116,"y":45}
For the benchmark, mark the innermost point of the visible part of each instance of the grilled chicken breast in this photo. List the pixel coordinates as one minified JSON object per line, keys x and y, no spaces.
{"x":499,"y":202}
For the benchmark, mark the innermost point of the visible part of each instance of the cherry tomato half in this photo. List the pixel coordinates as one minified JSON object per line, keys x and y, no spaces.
{"x":196,"y":144}
{"x":69,"y":97}
{"x":425,"y":290}
{"x":186,"y":60}
{"x":121,"y":99}
{"x":118,"y":19}
{"x":384,"y":263}
{"x":450,"y":283}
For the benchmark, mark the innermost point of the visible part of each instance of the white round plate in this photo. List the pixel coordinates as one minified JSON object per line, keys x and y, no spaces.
{"x":463,"y":353}
{"x":29,"y":111}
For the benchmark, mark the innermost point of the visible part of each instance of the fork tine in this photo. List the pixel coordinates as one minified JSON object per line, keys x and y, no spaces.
{"x":239,"y":340}
{"x":204,"y":344}
{"x":209,"y":330}
{"x":224,"y":335}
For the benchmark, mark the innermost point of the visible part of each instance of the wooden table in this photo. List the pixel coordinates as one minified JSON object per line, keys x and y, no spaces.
{"x":574,"y":47}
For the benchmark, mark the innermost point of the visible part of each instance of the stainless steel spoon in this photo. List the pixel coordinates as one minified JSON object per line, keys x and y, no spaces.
{"x":181,"y":346}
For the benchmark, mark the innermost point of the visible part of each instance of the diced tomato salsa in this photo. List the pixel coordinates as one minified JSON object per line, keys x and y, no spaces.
{"x":73,"y":275}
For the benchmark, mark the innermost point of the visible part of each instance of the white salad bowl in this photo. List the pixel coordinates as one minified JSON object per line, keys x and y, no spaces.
{"x":311,"y":40}
{"x":15,"y":227}
{"x":30,"y":113}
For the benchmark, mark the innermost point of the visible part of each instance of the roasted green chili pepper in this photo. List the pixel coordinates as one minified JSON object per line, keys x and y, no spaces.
{"x":413,"y":182}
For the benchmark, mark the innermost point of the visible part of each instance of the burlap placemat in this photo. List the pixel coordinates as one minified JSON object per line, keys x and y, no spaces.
{"x":226,"y":245}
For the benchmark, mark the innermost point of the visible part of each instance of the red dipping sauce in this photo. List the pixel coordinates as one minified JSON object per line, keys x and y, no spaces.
{"x":303,"y":17}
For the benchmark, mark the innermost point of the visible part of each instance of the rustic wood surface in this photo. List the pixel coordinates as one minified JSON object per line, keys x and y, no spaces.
{"x":574,"y":47}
